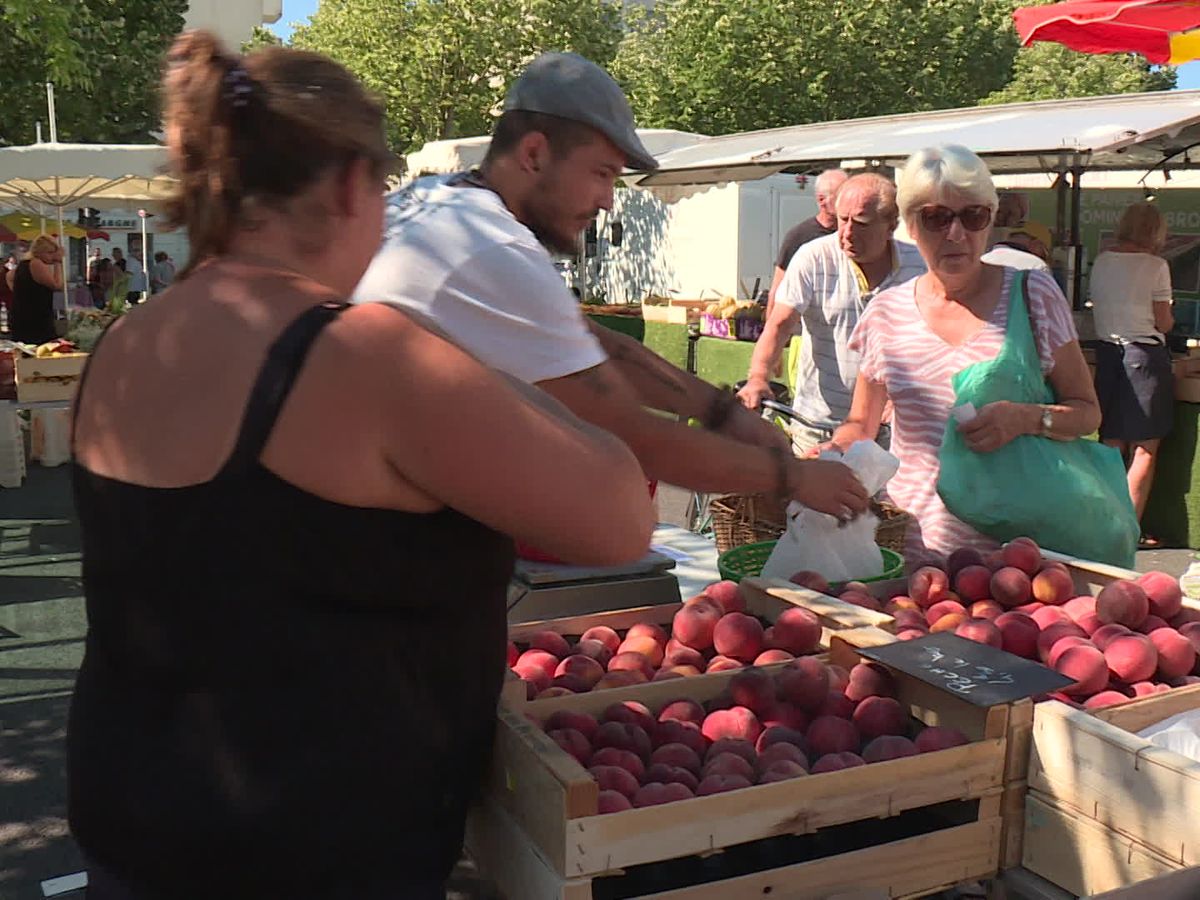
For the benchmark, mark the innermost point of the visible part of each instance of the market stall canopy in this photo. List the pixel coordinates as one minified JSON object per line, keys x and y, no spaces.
{"x":1163,"y":31}
{"x":41,"y":177}
{"x":1128,"y":131}
{"x":26,"y":227}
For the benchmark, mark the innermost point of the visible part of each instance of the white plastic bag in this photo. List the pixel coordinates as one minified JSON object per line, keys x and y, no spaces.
{"x":817,"y":542}
{"x":1180,"y":733}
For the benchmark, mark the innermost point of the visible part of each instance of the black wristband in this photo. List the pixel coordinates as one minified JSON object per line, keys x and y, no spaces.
{"x":719,"y":410}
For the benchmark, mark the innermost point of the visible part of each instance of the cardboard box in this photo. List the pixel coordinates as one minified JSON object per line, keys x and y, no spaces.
{"x":52,"y":378}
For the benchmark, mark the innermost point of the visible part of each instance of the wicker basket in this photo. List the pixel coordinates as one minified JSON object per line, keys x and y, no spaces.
{"x":740,"y":519}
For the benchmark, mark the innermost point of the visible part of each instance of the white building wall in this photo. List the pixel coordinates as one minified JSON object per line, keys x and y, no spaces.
{"x":232,"y":20}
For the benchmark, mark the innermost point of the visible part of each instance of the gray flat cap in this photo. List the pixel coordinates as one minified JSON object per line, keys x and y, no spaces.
{"x":571,"y":87}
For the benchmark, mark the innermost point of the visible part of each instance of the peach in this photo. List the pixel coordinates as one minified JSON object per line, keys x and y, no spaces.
{"x":1053,"y":586}
{"x":512,"y":655}
{"x":877,"y":716}
{"x":860,"y":598}
{"x":1086,"y":667}
{"x":620,"y":678}
{"x":628,"y":660}
{"x":676,"y":732}
{"x":787,"y":715}
{"x":1011,"y":587}
{"x":1023,"y":554}
{"x":676,"y":754}
{"x":942,"y":608}
{"x":723,"y":664}
{"x":573,"y":742}
{"x":1163,"y":592}
{"x":593,"y":649}
{"x":908,"y":618}
{"x":985,"y":609}
{"x":645,"y":645}
{"x":1176,"y":655}
{"x":772,"y":656}
{"x":796,"y":630}
{"x":974,"y":583}
{"x":836,"y":704}
{"x":839,"y":678}
{"x":736,"y":746}
{"x":1018,"y":634}
{"x":900,"y":602}
{"x":1143,"y":688}
{"x":981,"y":631}
{"x":950,"y":622}
{"x":1030,"y":608}
{"x":739,"y":636}
{"x":1184,"y":616}
{"x":1123,"y":603}
{"x":1060,"y":646}
{"x":938,"y":737}
{"x":551,"y":642}
{"x":994,"y":560}
{"x":928,"y":585}
{"x":1151,"y":623}
{"x":728,"y":764}
{"x":650,"y":630}
{"x":736,"y":722}
{"x":683,"y":710}
{"x":569,"y":718}
{"x":888,"y":746}
{"x":1104,"y":698}
{"x":814,"y":581}
{"x":624,"y":759}
{"x":963,"y":558}
{"x":684,"y":656}
{"x":629,"y":711}
{"x":536,"y":661}
{"x":604,"y":635}
{"x":614,"y":778}
{"x":779,"y":734}
{"x":693,"y":625}
{"x":1090,"y":623}
{"x":612,"y":802}
{"x":911,"y":634}
{"x":1056,"y":632}
{"x":1191,"y":631}
{"x":831,"y":734}
{"x":665,"y":773}
{"x":727,"y":594}
{"x":754,"y":689}
{"x":1078,"y":607}
{"x":722,"y":700}
{"x":536,"y":681}
{"x":557,"y":690}
{"x":623,"y":736}
{"x":576,"y":684}
{"x":781,"y":770}
{"x":656,"y":794}
{"x":804,"y":682}
{"x":782,"y":750}
{"x":583,"y":667}
{"x":835,"y":762}
{"x":870,"y":679}
{"x":719,"y":784}
{"x":1106,"y":633}
{"x":670,"y":672}
{"x":1047,"y":616}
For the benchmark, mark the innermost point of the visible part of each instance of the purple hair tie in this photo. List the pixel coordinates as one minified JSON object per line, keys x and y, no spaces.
{"x":238,"y":87}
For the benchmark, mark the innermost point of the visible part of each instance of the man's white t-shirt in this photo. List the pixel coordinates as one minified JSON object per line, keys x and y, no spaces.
{"x":137,"y":275}
{"x":456,"y":256}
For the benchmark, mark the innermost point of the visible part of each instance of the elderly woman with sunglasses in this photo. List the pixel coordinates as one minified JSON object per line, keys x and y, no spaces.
{"x":916,"y":336}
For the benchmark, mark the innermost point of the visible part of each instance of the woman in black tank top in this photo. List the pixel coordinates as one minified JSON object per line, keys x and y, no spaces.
{"x":35,"y":280}
{"x":289,"y":691}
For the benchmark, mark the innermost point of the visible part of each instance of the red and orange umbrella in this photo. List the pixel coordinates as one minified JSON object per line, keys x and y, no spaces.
{"x":1165,"y":32}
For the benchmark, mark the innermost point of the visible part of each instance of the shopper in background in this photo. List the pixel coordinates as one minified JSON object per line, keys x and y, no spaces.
{"x":103,"y":275}
{"x":1027,"y":246}
{"x":6,"y":291}
{"x":823,"y":223}
{"x":33,"y":283}
{"x":307,"y":712}
{"x":1130,"y":290}
{"x":137,"y":277}
{"x":162,"y":273}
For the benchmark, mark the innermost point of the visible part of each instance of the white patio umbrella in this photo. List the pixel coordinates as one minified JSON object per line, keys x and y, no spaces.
{"x":45,"y":176}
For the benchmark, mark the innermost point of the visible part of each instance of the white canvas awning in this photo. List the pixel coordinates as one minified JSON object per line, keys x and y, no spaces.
{"x":42,"y":177}
{"x":1128,"y":131}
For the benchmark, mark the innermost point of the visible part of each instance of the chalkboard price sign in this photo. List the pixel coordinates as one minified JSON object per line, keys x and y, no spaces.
{"x":980,"y":674}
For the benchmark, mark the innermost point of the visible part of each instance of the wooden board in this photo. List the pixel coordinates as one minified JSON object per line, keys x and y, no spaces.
{"x":1124,"y":783}
{"x":1012,"y":811}
{"x":1081,"y":855}
{"x":908,"y":868}
{"x":1181,"y":885}
{"x":541,"y":786}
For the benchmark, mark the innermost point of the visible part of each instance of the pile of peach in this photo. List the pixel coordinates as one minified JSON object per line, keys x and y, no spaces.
{"x":711,"y":633}
{"x":766,"y":727}
{"x":1134,"y":638}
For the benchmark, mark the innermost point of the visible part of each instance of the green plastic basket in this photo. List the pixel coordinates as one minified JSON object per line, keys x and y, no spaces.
{"x":748,"y":560}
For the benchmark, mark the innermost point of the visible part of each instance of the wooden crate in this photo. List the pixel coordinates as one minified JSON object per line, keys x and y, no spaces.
{"x":553,"y":799}
{"x":49,"y":378}
{"x":1107,"y":808}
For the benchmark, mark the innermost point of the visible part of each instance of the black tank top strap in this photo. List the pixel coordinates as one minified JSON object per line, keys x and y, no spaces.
{"x":284,"y":361}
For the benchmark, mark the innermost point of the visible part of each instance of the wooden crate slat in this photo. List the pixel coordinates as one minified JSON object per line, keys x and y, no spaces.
{"x":509,"y":859}
{"x":1081,"y":855}
{"x":1121,"y":781}
{"x":617,"y":620}
{"x":1013,"y":813}
{"x":796,"y":806}
{"x":1139,"y":714}
{"x":832,"y":612}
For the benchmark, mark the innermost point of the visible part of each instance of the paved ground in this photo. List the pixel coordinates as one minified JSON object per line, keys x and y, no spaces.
{"x":42,"y":625}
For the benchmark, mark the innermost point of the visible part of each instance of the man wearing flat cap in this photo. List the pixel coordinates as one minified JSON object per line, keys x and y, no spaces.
{"x":470,"y":254}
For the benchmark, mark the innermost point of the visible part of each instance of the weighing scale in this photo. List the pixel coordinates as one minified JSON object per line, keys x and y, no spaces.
{"x":541,"y":590}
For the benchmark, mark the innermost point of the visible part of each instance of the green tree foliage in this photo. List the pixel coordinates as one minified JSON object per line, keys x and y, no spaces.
{"x":259,"y":38}
{"x":442,"y":66}
{"x":718,"y":66}
{"x":1046,"y":71}
{"x":104,"y":58}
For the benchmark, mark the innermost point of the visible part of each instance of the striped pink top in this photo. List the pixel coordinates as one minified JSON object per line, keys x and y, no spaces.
{"x":902,"y":353}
